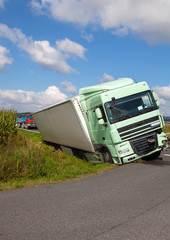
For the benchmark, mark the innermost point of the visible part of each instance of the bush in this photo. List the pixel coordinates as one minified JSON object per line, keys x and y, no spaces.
{"x":7,"y":124}
{"x":25,"y":158}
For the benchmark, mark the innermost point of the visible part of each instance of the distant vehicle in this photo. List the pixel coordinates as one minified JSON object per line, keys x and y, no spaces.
{"x":26,"y":122}
{"x":118,"y":122}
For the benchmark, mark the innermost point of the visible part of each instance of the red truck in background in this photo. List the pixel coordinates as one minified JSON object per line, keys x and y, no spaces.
{"x":26,"y":122}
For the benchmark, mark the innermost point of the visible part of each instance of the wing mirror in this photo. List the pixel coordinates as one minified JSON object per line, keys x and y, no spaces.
{"x":156,"y":98}
{"x":99,"y":116}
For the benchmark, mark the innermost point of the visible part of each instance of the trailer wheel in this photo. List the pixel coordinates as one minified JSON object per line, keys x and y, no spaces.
{"x":22,"y":125}
{"x":152,"y":156}
{"x":107,"y":156}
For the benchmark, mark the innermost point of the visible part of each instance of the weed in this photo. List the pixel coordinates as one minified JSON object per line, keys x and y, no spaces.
{"x":25,"y":159}
{"x":22,"y":158}
{"x":7,"y":124}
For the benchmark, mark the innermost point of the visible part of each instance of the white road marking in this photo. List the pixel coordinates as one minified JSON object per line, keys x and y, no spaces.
{"x":167,"y":155}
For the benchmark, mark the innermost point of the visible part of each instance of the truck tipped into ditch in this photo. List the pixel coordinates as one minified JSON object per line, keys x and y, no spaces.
{"x":116,"y":122}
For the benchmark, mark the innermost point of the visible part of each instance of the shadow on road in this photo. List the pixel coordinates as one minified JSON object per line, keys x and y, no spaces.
{"x":160,"y":161}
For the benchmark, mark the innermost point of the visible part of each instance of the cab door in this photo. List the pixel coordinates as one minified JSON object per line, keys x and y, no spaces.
{"x":100,"y":133}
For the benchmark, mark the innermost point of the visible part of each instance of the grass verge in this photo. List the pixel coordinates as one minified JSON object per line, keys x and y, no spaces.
{"x":166,"y":128}
{"x":26,"y":161}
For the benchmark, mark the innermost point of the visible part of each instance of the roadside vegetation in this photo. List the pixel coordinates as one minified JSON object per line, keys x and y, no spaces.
{"x":7,"y":124}
{"x":166,"y":129}
{"x":26,"y":161}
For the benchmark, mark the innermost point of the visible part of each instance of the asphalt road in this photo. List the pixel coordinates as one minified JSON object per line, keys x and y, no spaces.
{"x":131,"y":202}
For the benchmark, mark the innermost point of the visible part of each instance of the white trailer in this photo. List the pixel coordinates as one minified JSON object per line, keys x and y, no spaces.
{"x":64,"y":124}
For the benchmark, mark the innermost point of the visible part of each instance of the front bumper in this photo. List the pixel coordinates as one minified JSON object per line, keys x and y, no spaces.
{"x":141,"y":147}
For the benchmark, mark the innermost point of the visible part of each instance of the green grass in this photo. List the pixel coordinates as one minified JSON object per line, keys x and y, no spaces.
{"x":7,"y":124}
{"x":166,"y":129}
{"x":26,"y":161}
{"x":35,"y":137}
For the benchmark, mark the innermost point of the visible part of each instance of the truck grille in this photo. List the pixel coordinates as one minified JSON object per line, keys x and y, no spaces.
{"x":143,"y":127}
{"x":145,"y":144}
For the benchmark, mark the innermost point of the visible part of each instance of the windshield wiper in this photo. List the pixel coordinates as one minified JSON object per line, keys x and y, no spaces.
{"x":113,"y":103}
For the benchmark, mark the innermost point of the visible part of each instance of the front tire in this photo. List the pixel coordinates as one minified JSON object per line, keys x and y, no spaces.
{"x":152,"y":156}
{"x":107,"y":156}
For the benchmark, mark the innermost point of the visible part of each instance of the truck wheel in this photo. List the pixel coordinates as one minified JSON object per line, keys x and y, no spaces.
{"x":107,"y":156}
{"x":152,"y":156}
{"x":22,"y":126}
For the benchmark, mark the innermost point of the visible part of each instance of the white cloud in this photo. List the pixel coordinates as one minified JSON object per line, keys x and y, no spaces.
{"x":164,"y":99}
{"x":161,"y":101}
{"x":147,"y":18}
{"x":164,"y":108}
{"x":68,"y":87}
{"x":30,"y":100}
{"x":78,"y":11}
{"x":36,"y":6}
{"x":107,"y":78}
{"x":51,"y":58}
{"x":48,"y":57}
{"x":122,"y":31}
{"x":88,"y":37}
{"x":2,"y":3}
{"x":163,"y":92}
{"x":4,"y":59}
{"x":71,"y":47}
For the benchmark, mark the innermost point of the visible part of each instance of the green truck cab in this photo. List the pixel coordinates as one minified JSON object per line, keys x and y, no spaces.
{"x":123,"y":120}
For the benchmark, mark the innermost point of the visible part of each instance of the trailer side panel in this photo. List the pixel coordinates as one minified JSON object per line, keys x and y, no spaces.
{"x":64,"y":124}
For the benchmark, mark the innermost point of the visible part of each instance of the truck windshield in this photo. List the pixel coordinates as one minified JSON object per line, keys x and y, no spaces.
{"x":130,"y":106}
{"x":29,"y":117}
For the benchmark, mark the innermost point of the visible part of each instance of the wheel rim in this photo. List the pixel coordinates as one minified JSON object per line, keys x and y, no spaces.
{"x":106,"y":156}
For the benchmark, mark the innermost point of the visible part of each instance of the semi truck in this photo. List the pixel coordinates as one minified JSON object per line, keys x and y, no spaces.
{"x":26,"y":121}
{"x":114,"y":122}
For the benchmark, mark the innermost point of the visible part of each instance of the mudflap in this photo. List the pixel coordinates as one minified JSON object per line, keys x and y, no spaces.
{"x":95,"y":158}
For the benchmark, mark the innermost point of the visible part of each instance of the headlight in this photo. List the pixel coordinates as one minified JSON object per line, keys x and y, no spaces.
{"x":164,"y":142}
{"x":123,"y":151}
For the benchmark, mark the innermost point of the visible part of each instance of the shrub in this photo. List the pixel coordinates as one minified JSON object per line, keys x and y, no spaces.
{"x":23,"y":158}
{"x":7,"y":124}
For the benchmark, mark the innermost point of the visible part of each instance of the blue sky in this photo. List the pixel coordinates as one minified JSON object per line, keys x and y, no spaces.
{"x":49,"y":49}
